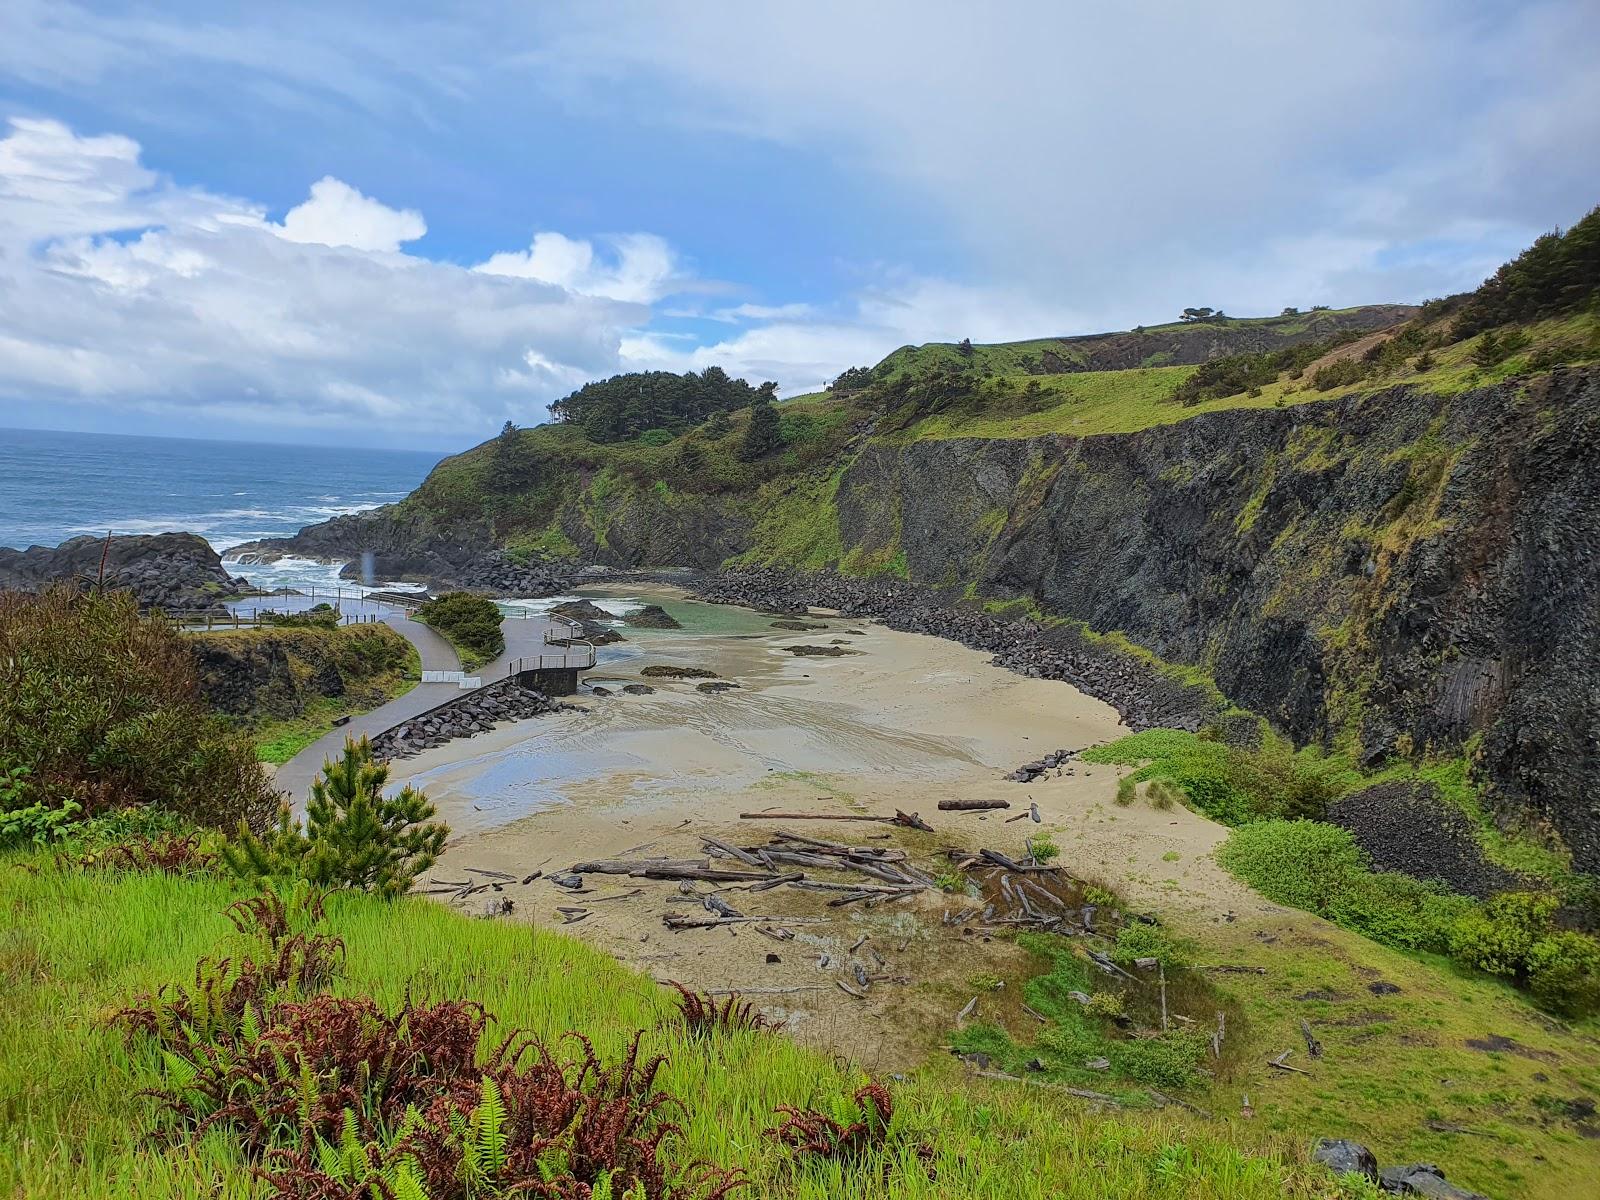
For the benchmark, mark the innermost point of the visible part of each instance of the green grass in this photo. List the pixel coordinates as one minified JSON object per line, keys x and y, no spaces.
{"x":277,"y":741}
{"x":77,"y":945}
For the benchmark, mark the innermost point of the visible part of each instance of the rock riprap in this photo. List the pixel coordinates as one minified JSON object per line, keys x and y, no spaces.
{"x":473,"y":713}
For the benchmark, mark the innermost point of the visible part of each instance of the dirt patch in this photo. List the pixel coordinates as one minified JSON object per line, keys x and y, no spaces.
{"x":1496,"y":1044}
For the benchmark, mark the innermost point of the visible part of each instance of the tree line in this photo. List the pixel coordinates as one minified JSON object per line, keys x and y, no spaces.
{"x":625,"y":406}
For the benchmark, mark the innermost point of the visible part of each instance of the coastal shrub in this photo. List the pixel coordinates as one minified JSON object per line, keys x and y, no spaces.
{"x":1229,"y":784}
{"x":354,"y":836}
{"x":1139,"y":939}
{"x":1319,"y":868}
{"x":1337,"y":374}
{"x":1303,"y":864}
{"x":318,"y":616}
{"x":1169,"y":1061}
{"x":1498,"y":937}
{"x":470,"y":623}
{"x":101,"y":708}
{"x":1564,"y":972}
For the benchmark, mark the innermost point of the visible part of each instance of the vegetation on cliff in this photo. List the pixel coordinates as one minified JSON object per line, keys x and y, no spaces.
{"x":287,"y":685}
{"x":656,"y":403}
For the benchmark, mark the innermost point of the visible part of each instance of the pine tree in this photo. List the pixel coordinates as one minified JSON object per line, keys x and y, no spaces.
{"x":762,"y":436}
{"x":354,"y":835}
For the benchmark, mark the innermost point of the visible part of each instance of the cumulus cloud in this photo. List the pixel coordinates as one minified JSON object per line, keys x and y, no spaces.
{"x":119,"y":287}
{"x":338,"y":215}
{"x":640,"y":269}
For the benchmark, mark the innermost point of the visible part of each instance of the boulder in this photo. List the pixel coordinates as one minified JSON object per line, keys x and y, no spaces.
{"x":1422,"y":1179}
{"x":1344,"y":1157}
{"x":652,"y":616}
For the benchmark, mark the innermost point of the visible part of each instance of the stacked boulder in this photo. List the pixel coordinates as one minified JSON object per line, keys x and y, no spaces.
{"x":474,"y":713}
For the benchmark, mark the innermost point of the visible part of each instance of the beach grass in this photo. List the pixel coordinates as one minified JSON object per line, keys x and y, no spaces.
{"x":79,"y":944}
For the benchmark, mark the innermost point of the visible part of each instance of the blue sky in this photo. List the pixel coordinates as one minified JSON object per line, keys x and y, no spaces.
{"x":404,"y":224}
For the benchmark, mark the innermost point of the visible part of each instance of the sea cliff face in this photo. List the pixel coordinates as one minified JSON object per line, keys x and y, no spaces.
{"x":1395,"y":572}
{"x":1401,"y":570}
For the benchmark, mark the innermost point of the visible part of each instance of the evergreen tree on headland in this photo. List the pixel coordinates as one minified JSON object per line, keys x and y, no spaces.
{"x":763,"y":435}
{"x":624,"y":406}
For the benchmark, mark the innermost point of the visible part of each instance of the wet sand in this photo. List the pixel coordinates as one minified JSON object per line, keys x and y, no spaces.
{"x":904,"y":722}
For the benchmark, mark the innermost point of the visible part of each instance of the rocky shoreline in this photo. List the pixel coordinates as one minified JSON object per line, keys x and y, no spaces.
{"x":1145,"y":696}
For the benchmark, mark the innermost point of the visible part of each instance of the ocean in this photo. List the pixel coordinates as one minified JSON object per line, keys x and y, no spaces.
{"x":55,"y":486}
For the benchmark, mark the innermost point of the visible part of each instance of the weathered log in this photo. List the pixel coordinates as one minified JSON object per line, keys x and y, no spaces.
{"x":881,"y":889}
{"x":675,"y":922}
{"x":765,"y":884}
{"x":972,"y":805}
{"x":744,"y":856}
{"x":707,"y":874}
{"x":613,"y":866}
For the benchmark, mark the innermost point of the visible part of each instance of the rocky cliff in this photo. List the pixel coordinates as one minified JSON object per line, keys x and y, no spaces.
{"x":176,"y":572}
{"x":1402,"y":571}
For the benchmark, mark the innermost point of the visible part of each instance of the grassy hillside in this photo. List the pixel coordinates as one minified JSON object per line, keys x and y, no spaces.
{"x":81,"y":943}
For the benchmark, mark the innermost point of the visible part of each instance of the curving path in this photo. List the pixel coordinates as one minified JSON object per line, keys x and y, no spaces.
{"x":295,"y":776}
{"x":524,"y":636}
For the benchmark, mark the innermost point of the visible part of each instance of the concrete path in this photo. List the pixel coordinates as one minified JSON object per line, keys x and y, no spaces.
{"x":295,"y":776}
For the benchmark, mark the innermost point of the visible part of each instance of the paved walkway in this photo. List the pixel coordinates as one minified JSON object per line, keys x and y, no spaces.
{"x":524,"y":638}
{"x":295,"y":776}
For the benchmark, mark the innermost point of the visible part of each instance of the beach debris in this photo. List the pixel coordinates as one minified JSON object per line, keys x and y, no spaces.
{"x":910,"y":820}
{"x":970,"y":1007}
{"x":721,"y":907}
{"x":1281,"y":1062}
{"x":1313,"y":1047}
{"x":972,"y":805}
{"x":845,"y":987}
{"x":676,"y":922}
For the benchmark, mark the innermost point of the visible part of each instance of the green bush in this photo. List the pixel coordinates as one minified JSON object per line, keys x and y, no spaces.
{"x":1337,"y":374}
{"x":1564,"y":972}
{"x":1137,"y":940}
{"x":1226,"y":783}
{"x":470,"y":623}
{"x":1498,"y":937}
{"x":1168,"y":1061}
{"x":101,"y":708}
{"x":1319,"y":868}
{"x":1303,"y":864}
{"x":354,"y":836}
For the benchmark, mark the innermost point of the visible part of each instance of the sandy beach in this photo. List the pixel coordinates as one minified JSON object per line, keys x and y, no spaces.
{"x":901,"y":722}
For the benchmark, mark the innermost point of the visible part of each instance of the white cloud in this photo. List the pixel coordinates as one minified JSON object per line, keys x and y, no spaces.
{"x":338,"y":215}
{"x":122,"y":289}
{"x":1132,"y":159}
{"x":642,"y":267}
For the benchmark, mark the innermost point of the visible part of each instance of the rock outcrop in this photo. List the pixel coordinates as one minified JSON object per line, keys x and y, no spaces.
{"x":175,"y":572}
{"x":262,"y":674}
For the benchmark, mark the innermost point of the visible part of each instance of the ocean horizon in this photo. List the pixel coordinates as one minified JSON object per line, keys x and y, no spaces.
{"x":57,"y":485}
